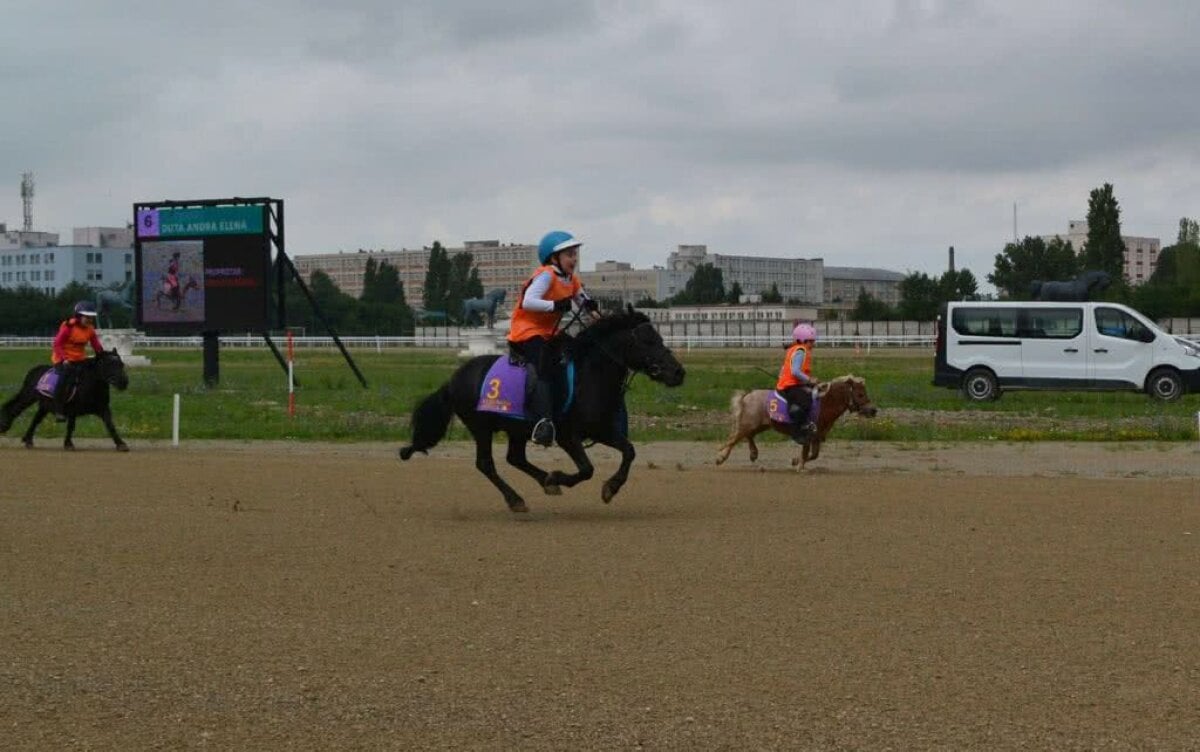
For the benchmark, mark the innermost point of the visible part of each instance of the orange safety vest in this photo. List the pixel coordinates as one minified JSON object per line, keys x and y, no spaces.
{"x":787,"y":379}
{"x":529,"y":324}
{"x":78,"y":336}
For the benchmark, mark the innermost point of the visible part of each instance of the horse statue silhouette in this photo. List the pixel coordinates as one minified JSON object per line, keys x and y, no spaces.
{"x":114,"y":296}
{"x":1084,"y":287}
{"x":473,"y":308}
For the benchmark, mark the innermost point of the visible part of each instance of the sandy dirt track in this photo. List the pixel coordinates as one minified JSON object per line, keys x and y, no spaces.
{"x":267,"y":596}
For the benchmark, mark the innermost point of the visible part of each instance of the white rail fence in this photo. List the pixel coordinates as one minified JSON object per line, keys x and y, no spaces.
{"x":458,"y":341}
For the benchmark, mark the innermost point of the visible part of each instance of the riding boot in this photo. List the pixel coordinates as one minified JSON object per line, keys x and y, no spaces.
{"x":801,"y":428}
{"x":58,"y":405}
{"x":540,"y":411}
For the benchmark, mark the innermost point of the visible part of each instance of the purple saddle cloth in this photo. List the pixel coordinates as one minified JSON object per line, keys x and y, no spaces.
{"x":777,"y":408}
{"x":503,"y":390}
{"x":47,"y":383}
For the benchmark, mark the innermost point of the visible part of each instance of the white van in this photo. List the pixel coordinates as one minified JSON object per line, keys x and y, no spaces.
{"x":985,"y":348}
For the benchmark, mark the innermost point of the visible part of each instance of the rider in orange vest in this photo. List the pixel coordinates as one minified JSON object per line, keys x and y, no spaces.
{"x":796,"y":382}
{"x":546,"y":296}
{"x":70,"y":349}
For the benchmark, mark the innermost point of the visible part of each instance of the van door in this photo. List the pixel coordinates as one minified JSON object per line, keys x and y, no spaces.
{"x":1122,"y":349}
{"x":1054,"y":347}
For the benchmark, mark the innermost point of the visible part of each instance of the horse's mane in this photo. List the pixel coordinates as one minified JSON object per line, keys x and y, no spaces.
{"x":848,"y":379}
{"x":605,"y":327}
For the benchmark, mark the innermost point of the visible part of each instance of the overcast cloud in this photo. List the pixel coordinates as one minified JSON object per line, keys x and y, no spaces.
{"x":865,"y":132}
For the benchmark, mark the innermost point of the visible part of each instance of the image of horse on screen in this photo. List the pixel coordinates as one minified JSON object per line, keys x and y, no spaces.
{"x":173,"y":281}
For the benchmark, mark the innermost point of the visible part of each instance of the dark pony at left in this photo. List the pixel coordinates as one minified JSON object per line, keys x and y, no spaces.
{"x":604,"y":356}
{"x":90,"y":397}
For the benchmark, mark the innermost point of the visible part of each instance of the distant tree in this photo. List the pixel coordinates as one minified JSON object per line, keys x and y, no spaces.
{"x":958,"y":285}
{"x":1189,"y":231}
{"x":870,"y":308}
{"x":1104,"y":251}
{"x":648,"y":303}
{"x":920,"y":297}
{"x":368,"y":279}
{"x":735,"y":294}
{"x":706,"y":287}
{"x":437,"y":279}
{"x":1019,"y":264}
{"x":773,"y":295}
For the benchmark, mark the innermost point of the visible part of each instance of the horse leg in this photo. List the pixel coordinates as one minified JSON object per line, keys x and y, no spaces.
{"x":27,"y":439}
{"x":727,"y":447}
{"x":106,"y":416}
{"x":486,"y":465}
{"x":753,"y":446}
{"x":583,"y":466}
{"x":518,"y":459}
{"x":67,"y":443}
{"x":613,"y":484}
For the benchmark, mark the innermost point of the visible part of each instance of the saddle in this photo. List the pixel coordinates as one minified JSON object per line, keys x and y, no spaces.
{"x":505,"y":388}
{"x":48,"y":384}
{"x":777,"y":407}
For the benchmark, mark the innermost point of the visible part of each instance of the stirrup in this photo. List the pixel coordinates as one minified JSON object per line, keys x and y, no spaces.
{"x":545,"y":426}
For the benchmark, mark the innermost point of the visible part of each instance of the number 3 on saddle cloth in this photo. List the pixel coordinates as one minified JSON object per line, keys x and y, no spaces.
{"x":505,"y":391}
{"x":777,"y":408}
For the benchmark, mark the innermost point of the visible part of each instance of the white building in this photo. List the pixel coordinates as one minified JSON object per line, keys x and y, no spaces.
{"x":104,"y":237}
{"x":505,"y":266}
{"x":1141,"y":254}
{"x":51,"y":268}
{"x":796,"y":278}
{"x":22,"y":239}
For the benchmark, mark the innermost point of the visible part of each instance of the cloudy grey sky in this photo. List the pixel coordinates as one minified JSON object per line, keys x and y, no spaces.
{"x":867,"y":132}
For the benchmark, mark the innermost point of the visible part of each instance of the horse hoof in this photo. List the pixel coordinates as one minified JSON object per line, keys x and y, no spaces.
{"x":552,"y":490}
{"x":122,"y":447}
{"x":607,"y":493}
{"x":405,"y":453}
{"x":720,"y":459}
{"x":28,"y":444}
{"x":69,"y":447}
{"x":754,"y":456}
{"x":518,"y":507}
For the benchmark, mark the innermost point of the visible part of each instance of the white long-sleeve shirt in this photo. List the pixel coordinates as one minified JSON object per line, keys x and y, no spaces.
{"x":535,"y":293}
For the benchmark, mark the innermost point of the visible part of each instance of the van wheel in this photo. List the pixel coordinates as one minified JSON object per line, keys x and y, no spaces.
{"x":979,"y":385}
{"x":1164,"y":385}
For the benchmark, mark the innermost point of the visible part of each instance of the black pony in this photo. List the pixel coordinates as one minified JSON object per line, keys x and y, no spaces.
{"x":91,"y":398}
{"x":604,"y":354}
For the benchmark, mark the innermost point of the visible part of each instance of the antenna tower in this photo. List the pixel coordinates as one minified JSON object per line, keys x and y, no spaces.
{"x":27,"y":199}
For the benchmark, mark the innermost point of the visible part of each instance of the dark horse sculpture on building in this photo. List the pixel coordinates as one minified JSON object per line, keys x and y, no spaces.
{"x":473,"y":308}
{"x":1084,"y":287}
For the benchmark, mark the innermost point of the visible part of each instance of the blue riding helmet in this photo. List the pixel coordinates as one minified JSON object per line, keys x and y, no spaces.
{"x":556,"y":241}
{"x":84,"y":308}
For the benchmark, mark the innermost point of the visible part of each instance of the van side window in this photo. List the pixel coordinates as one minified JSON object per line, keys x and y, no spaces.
{"x":1113,"y":322}
{"x":985,"y":322}
{"x":1051,"y":323}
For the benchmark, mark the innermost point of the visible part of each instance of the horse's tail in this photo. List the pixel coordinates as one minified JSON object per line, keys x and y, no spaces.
{"x":737,"y":406}
{"x":13,"y":408}
{"x":430,"y":420}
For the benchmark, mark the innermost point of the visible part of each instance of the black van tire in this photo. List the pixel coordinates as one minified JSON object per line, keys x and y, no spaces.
{"x":980,"y":385}
{"x":1164,"y":385}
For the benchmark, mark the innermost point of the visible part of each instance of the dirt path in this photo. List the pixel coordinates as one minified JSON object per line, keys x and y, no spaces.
{"x":329,"y":597}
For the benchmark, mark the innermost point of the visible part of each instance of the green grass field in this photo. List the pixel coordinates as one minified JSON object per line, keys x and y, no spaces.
{"x":251,"y":401}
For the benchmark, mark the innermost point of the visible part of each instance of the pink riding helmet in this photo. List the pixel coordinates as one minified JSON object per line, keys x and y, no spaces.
{"x":804,"y":332}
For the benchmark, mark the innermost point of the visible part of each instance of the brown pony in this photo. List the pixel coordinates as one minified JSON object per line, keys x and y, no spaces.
{"x":749,"y":410}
